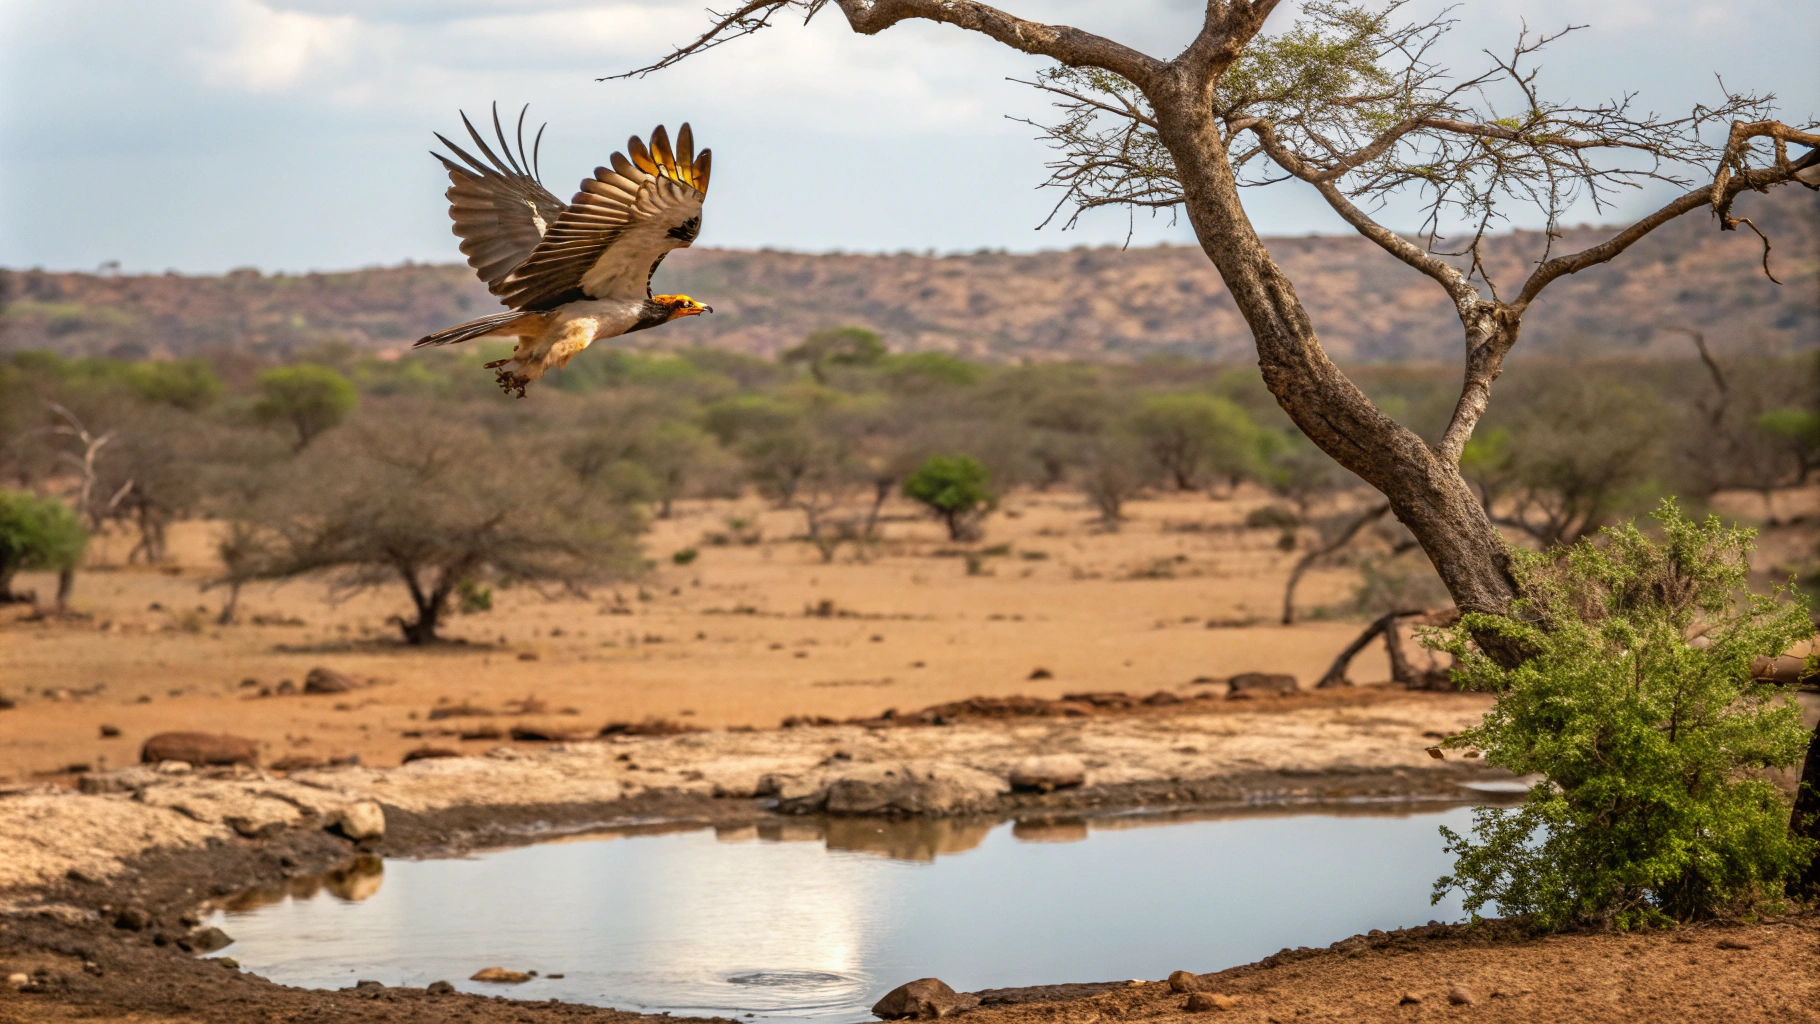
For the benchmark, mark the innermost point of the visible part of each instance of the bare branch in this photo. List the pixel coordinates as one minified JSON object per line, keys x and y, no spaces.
{"x":1070,"y":46}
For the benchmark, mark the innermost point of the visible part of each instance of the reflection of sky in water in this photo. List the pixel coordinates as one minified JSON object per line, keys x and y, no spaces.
{"x":688,"y":922}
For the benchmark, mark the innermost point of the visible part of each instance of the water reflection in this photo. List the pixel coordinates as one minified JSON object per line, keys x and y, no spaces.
{"x":354,"y":881}
{"x":814,"y":920}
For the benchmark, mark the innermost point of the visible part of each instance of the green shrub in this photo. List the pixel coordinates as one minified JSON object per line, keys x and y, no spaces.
{"x":1653,"y":804}
{"x":685,"y":556}
{"x":956,"y":489}
{"x":36,"y":533}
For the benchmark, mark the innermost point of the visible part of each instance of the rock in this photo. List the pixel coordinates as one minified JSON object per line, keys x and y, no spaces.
{"x":226,"y":961}
{"x":1049,"y":773}
{"x":360,"y":820}
{"x":429,"y":753}
{"x":1258,"y":684}
{"x":500,"y":976}
{"x":199,"y":748}
{"x":108,"y":732}
{"x":1435,"y":752}
{"x":1040,"y":673}
{"x":1460,"y":995}
{"x":922,"y":999}
{"x":1731,"y":944}
{"x":1409,"y":999}
{"x":1183,"y":981}
{"x":440,"y":988}
{"x":327,"y":680}
{"x":208,"y":940}
{"x":1201,"y":1002}
{"x":133,"y":919}
{"x":368,"y":983}
{"x":915,"y":788}
{"x":18,"y":981}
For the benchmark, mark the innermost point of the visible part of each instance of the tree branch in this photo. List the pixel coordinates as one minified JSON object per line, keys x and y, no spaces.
{"x":1070,"y":46}
{"x":1725,"y":187}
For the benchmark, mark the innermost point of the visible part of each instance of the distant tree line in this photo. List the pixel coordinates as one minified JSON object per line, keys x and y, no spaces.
{"x":410,"y":472}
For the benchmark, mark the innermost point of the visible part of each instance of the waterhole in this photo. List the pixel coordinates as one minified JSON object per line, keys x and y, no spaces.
{"x":814,"y":920}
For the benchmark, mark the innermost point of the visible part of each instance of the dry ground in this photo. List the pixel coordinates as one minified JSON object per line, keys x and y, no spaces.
{"x":726,"y":640}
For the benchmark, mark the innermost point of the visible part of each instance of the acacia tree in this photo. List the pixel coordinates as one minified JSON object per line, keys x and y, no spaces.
{"x":432,"y":505}
{"x":1350,"y":103}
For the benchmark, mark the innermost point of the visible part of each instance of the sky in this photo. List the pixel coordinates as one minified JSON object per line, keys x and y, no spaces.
{"x":205,"y":135}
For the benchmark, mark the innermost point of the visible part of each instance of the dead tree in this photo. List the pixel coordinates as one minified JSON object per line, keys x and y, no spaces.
{"x":1401,"y":671}
{"x":1337,"y":536}
{"x":1351,"y":104}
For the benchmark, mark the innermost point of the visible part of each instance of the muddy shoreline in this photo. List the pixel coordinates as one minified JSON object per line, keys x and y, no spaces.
{"x":110,"y":885}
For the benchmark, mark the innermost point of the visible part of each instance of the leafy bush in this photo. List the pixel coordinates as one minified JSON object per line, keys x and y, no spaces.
{"x":957,"y":489}
{"x":1653,"y":804}
{"x":36,"y":533}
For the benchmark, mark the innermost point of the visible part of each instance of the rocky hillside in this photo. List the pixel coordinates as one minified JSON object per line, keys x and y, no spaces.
{"x":1082,"y":303}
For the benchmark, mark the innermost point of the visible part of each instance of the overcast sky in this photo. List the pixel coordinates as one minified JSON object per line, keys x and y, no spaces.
{"x":202,"y":135}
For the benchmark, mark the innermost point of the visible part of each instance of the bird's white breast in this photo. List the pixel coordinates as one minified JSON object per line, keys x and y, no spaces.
{"x":612,"y":317}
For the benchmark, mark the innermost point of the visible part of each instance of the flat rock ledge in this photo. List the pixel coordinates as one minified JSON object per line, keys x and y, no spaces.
{"x":1266,"y":757}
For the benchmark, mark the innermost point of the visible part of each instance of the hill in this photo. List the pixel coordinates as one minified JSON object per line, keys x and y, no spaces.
{"x":1102,"y":303}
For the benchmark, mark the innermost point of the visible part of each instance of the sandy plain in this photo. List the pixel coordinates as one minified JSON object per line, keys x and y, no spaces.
{"x":745,"y":635}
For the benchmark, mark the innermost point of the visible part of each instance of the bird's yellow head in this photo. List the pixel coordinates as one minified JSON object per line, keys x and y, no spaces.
{"x":681,"y":306}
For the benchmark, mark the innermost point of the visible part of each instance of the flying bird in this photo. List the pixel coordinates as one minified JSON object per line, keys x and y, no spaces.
{"x":577,"y":273}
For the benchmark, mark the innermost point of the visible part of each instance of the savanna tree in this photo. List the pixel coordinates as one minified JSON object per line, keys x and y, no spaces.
{"x":1350,"y":102}
{"x":432,"y":506}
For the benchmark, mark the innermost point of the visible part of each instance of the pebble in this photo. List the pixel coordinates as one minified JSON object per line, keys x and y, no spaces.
{"x":18,"y":980}
{"x":1460,"y":995}
{"x":1409,"y":999}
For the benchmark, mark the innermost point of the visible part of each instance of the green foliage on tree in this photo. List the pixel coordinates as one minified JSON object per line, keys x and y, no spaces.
{"x":1191,"y":435}
{"x":309,"y":399}
{"x":36,"y":534}
{"x":957,"y":489}
{"x":836,"y":346}
{"x":1653,"y":806}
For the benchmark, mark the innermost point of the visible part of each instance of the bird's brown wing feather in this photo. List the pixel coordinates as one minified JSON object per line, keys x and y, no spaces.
{"x":609,"y":240}
{"x":500,"y":209}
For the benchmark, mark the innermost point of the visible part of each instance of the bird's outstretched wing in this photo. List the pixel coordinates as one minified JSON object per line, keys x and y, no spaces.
{"x":618,"y":228}
{"x":500,"y":209}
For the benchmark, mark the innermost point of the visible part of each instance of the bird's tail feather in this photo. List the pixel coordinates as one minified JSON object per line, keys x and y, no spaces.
{"x":493,"y":323}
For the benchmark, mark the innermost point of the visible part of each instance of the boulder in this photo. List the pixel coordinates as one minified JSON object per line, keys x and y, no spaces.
{"x":1259,"y":684}
{"x":199,"y":748}
{"x":1183,"y":981}
{"x":207,"y":940}
{"x":327,"y":680}
{"x":360,"y":820}
{"x":500,"y":976}
{"x":1201,"y":1002}
{"x":1460,"y":995}
{"x":923,"y":999}
{"x":440,"y":988}
{"x":918,"y":788}
{"x":1047,"y":774}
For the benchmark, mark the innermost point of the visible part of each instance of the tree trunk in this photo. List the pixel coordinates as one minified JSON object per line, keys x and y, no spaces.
{"x":1805,"y":819}
{"x":1424,"y":489}
{"x":230,"y":608}
{"x":66,"y":586}
{"x":6,"y":588}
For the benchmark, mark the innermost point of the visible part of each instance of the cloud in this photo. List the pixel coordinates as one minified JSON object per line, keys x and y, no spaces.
{"x":273,"y":49}
{"x":292,"y":133}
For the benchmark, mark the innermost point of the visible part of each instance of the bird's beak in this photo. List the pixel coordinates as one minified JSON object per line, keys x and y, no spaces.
{"x":707,"y":309}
